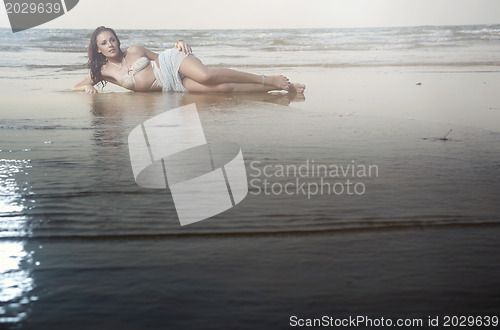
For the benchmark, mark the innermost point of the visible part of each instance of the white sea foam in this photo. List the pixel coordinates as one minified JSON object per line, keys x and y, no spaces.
{"x":403,"y":46}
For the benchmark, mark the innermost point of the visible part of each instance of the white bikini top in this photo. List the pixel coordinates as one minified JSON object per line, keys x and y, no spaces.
{"x":140,"y":64}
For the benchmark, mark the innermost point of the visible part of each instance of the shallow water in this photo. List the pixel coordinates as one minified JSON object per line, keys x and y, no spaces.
{"x":83,"y":239}
{"x":77,"y":164}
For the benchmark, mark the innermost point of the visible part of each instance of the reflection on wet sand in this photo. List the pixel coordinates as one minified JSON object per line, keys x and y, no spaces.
{"x":239,"y":99}
{"x":115,"y":114}
{"x":108,"y":107}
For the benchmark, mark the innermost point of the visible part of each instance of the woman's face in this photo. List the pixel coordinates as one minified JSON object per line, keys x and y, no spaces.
{"x":107,"y":44}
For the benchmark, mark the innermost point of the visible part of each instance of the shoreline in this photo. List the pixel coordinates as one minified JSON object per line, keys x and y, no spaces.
{"x":467,"y":97}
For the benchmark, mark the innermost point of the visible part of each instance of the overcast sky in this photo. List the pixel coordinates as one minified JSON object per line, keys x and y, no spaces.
{"x":254,"y":14}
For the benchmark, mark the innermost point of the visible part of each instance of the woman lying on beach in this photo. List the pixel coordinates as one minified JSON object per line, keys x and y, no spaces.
{"x":177,"y":69}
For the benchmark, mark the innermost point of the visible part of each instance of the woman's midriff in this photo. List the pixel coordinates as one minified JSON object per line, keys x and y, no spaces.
{"x":144,"y":79}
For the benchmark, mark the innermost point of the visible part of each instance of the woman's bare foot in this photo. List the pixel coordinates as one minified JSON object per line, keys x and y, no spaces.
{"x":296,"y":97}
{"x":280,"y":82}
{"x":296,"y":88}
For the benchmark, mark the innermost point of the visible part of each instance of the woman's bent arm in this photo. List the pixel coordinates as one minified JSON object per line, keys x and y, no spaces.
{"x":139,"y":51}
{"x":86,"y":85}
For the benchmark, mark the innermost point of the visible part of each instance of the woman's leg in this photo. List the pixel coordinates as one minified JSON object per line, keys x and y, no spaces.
{"x":194,"y":69}
{"x":194,"y":86}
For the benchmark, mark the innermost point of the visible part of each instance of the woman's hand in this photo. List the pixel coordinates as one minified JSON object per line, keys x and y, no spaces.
{"x":89,"y":89}
{"x":86,"y":85}
{"x":183,"y":47}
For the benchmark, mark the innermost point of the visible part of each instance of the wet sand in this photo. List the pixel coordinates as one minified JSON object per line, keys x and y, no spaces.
{"x":422,"y":240}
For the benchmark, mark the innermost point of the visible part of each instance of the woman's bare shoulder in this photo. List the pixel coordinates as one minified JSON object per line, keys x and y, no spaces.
{"x":136,"y":50}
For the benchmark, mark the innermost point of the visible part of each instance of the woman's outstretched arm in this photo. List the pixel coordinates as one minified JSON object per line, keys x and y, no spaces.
{"x":86,"y":85}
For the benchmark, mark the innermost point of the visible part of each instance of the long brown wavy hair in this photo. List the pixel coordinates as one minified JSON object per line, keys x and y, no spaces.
{"x":96,"y":59}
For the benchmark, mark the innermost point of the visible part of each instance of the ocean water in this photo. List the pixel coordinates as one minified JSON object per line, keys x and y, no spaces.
{"x":82,"y":246}
{"x":407,"y":46}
